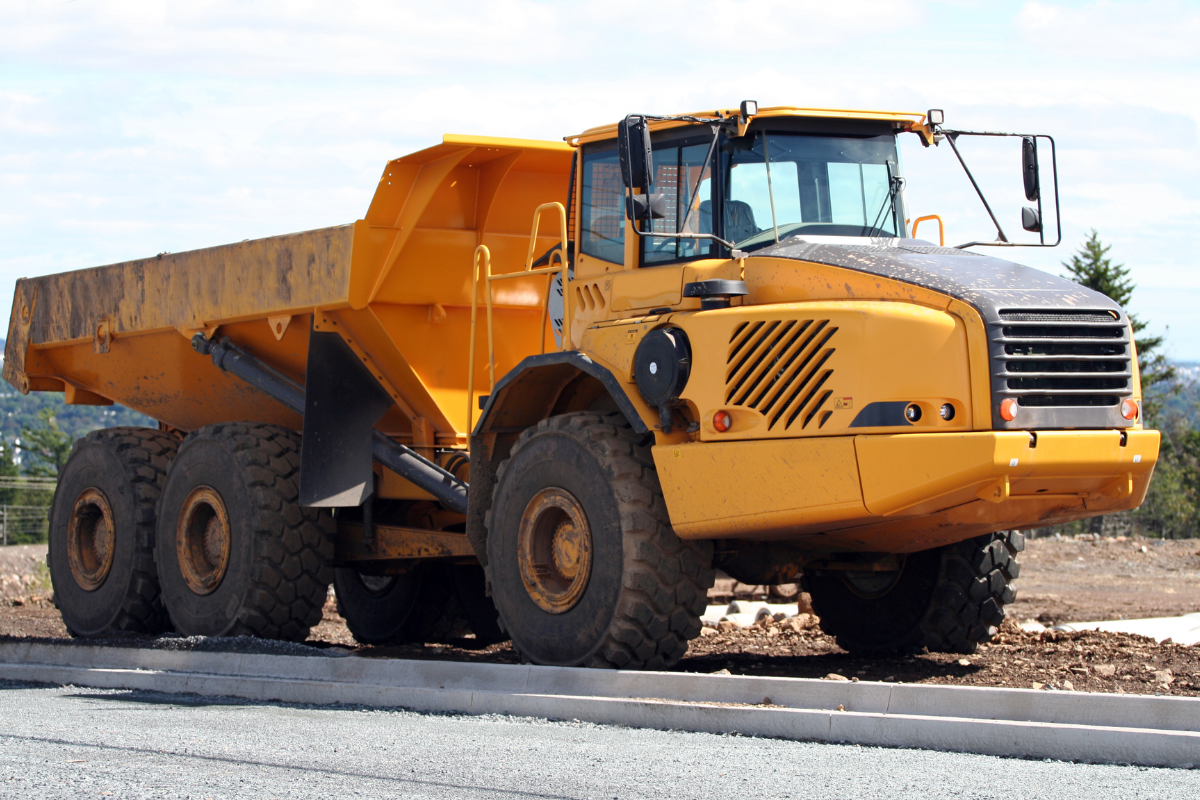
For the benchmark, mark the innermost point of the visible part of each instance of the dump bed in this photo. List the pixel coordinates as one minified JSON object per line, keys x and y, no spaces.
{"x":396,"y":284}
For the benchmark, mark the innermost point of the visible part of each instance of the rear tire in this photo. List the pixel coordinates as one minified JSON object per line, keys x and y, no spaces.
{"x":102,"y":520}
{"x":237,"y":554}
{"x":949,"y":599}
{"x":585,"y":568}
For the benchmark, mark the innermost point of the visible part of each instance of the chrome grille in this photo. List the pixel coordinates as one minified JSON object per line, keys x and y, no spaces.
{"x":1061,"y":359}
{"x":777,"y":367}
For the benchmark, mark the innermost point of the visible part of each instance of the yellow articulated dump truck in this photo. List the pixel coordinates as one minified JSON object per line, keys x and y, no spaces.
{"x":556,"y":385}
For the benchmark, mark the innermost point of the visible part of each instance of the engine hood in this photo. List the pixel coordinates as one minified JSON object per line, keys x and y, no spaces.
{"x":1035,"y":323}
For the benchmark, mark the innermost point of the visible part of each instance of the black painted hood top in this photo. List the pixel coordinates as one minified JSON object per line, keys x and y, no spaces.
{"x":986,"y":283}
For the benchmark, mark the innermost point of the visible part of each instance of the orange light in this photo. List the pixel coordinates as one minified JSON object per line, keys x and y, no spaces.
{"x":722,"y":421}
{"x":1008,"y":409}
{"x":1129,"y":409}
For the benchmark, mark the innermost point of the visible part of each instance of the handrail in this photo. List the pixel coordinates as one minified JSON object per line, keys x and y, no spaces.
{"x":560,"y":269}
{"x":941,"y":227}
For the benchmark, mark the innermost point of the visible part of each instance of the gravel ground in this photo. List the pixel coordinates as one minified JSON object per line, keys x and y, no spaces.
{"x":70,"y":742}
{"x":1068,"y":579}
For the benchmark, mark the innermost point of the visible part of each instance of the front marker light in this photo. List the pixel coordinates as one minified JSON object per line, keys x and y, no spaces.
{"x":1008,"y":409}
{"x":1129,"y":409}
{"x":722,"y":421}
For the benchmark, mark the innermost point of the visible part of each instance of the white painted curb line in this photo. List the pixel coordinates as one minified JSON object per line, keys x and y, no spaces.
{"x":1152,"y":731}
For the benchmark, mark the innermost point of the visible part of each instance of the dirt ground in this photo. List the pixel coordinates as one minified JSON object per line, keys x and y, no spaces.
{"x":1061,"y":580}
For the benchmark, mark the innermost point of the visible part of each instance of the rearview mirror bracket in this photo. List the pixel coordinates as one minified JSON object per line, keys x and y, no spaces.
{"x":1031,"y":218}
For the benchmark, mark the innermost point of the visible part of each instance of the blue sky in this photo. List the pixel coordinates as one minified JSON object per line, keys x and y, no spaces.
{"x":131,"y":128}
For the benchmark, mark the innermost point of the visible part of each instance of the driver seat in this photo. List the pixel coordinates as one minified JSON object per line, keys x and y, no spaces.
{"x":739,"y":220}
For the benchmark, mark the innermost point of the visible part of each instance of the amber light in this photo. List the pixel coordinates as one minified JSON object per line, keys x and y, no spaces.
{"x":722,"y":421}
{"x":1008,"y":409}
{"x":1129,"y":409}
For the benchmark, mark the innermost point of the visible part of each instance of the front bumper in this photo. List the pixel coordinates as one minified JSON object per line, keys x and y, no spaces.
{"x":902,"y":492}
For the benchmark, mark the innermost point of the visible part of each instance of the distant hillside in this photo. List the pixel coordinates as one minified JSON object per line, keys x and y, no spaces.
{"x":21,"y":411}
{"x":1185,"y":401}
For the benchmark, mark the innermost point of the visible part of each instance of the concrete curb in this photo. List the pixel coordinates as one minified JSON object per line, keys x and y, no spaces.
{"x":1076,"y":726}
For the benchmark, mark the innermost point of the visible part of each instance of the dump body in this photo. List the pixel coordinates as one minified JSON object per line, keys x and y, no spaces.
{"x":397,"y":283}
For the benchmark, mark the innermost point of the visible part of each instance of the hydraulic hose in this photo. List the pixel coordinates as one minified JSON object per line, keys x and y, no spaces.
{"x":404,"y":461}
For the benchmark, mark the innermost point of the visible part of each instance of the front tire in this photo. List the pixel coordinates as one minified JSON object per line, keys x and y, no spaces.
{"x":237,"y":554}
{"x":949,"y":599}
{"x":102,"y":520}
{"x":585,"y":568}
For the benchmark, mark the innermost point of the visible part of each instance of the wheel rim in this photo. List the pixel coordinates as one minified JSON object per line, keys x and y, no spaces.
{"x":202,"y":540}
{"x":91,"y":539}
{"x":554,"y":548}
{"x":376,"y":585}
{"x":871,"y":585}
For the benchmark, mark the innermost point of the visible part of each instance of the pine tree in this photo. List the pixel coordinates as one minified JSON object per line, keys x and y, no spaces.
{"x":47,"y":443}
{"x":1092,"y":267}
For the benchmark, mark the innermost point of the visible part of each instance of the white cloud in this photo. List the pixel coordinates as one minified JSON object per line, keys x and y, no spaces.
{"x":215,"y":120}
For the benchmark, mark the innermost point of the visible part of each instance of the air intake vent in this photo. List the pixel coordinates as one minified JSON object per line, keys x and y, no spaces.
{"x":777,"y":367}
{"x":1068,"y":358}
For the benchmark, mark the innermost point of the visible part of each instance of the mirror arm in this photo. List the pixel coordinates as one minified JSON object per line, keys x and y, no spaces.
{"x":712,"y":236}
{"x":1003,"y":239}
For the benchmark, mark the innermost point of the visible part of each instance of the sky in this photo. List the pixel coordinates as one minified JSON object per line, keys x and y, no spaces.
{"x":132,"y":128}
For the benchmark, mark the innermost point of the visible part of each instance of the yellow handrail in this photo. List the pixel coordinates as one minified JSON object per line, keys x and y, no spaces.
{"x":550,"y":271}
{"x":941,"y":227}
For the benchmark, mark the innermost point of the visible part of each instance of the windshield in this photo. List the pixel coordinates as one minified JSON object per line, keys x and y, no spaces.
{"x":816,"y":185}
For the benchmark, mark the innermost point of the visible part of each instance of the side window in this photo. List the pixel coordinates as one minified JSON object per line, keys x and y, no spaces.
{"x":681,"y":174}
{"x":602,"y":217}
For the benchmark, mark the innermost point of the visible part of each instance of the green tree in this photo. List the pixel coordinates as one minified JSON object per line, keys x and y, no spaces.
{"x":1092,"y":267}
{"x":47,"y":443}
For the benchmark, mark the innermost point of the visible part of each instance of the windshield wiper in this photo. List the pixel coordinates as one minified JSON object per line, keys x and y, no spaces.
{"x":895,"y":185}
{"x":770,"y":189}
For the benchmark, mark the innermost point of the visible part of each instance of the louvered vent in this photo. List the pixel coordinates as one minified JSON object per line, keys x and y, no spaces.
{"x":777,"y":367}
{"x":1068,"y":358}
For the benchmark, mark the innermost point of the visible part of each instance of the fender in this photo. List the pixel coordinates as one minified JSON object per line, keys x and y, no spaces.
{"x":538,"y":387}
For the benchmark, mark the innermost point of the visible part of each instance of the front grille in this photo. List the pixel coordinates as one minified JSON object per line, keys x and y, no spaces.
{"x":777,"y":367}
{"x":1063,"y":359}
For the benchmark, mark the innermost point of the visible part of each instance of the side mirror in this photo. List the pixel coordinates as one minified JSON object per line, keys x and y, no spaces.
{"x":637,"y":169}
{"x":1029,"y":171}
{"x":646,"y":206}
{"x":1031,"y":220}
{"x":633,"y":148}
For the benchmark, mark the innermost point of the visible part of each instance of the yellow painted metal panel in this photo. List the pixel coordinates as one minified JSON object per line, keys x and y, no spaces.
{"x":809,"y":369}
{"x":758,"y":488}
{"x":903,"y":471}
{"x":647,"y":288}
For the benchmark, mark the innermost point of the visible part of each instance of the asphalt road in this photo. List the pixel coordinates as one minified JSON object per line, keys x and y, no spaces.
{"x":78,"y":742}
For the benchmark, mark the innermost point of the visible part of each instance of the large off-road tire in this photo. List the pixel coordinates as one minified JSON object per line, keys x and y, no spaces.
{"x":949,"y":599}
{"x":237,"y":555}
{"x":432,"y":602}
{"x":585,"y":569}
{"x":101,"y":554}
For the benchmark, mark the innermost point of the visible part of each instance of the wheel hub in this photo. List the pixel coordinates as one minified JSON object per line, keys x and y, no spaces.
{"x":554,"y":548}
{"x":872,"y":584}
{"x":203,"y":540}
{"x":91,"y":539}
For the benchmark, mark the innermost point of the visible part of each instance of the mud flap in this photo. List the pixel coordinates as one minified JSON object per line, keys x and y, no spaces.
{"x":342,"y":403}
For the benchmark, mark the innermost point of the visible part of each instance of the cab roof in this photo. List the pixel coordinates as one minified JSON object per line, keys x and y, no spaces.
{"x":904,"y":120}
